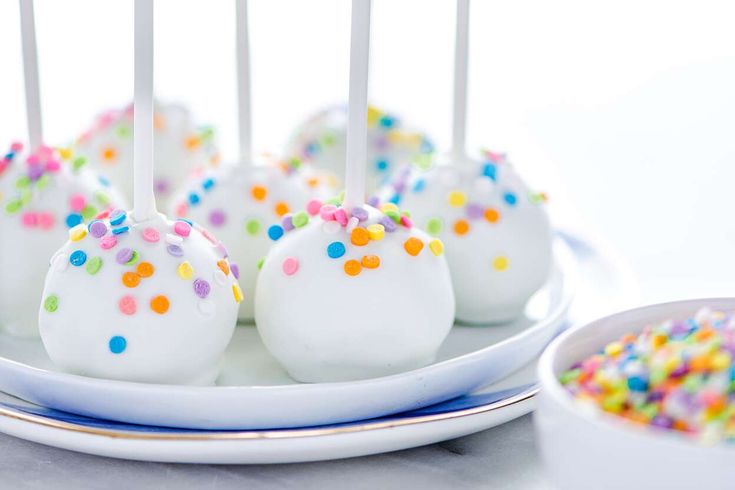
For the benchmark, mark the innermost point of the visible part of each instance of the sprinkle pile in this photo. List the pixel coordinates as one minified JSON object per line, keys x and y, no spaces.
{"x":677,"y":375}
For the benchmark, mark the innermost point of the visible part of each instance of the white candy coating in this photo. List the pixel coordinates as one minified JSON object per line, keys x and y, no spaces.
{"x":239,"y":203}
{"x":87,"y":310}
{"x":33,"y":223}
{"x":496,"y":232}
{"x":322,"y":141}
{"x":325,"y":325}
{"x":180,"y":147}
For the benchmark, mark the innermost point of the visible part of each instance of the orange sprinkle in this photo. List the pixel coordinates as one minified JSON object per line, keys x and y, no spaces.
{"x":159,"y":122}
{"x":699,"y":363}
{"x":145,"y":269}
{"x":312,"y":181}
{"x":413,"y":246}
{"x":192,"y":142}
{"x":492,"y":215}
{"x":371,"y":261}
{"x":131,"y":279}
{"x":704,"y":333}
{"x":159,"y":304}
{"x":259,"y":192}
{"x":223,"y":266}
{"x":109,"y":154}
{"x":281,"y":208}
{"x":352,"y":267}
{"x":359,"y":237}
{"x":461,"y":227}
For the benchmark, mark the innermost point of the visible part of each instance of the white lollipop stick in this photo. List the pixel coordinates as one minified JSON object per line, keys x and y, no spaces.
{"x":144,"y":203}
{"x":357,"y":116}
{"x":461,"y":46}
{"x":30,"y":74}
{"x":243,"y":82}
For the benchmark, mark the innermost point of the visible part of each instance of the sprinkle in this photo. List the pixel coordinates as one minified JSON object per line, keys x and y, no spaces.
{"x":290,"y":266}
{"x":120,"y":229}
{"x":160,"y":304}
{"x":457,"y":199}
{"x":73,"y":220}
{"x":124,"y":255}
{"x":327,"y":212}
{"x":97,"y":229}
{"x":501,"y":263}
{"x":413,"y":246}
{"x":145,"y":269}
{"x":336,"y":250}
{"x":108,"y":242}
{"x":194,"y":198}
{"x":436,"y":246}
{"x":235,"y":270}
{"x":77,"y":258}
{"x":94,"y":265}
{"x":201,"y":288}
{"x":259,"y":192}
{"x":352,"y":267}
{"x":275,"y":232}
{"x":492,"y":215}
{"x":376,"y":231}
{"x":370,"y":261}
{"x":133,"y":258}
{"x":352,"y":224}
{"x":434,"y":226}
{"x":389,"y":206}
{"x":252,"y":226}
{"x":360,"y":213}
{"x":359,"y":237}
{"x":223,"y":266}
{"x":287,"y":223}
{"x":118,"y":344}
{"x":117,"y":217}
{"x":130,"y":279}
{"x":461,"y":227}
{"x":237,"y":293}
{"x":175,"y":250}
{"x":313,"y":207}
{"x":261,"y":261}
{"x":300,"y":219}
{"x":340,"y":216}
{"x":46,"y":221}
{"x":127,"y":305}
{"x":77,"y":233}
{"x":331,"y":227}
{"x":389,"y":225}
{"x":174,"y":239}
{"x":281,"y":208}
{"x":474,"y":211}
{"x":217,"y":217}
{"x":151,"y":235}
{"x":185,"y":270}
{"x":406,"y":221}
{"x":182,"y":228}
{"x":510,"y":198}
{"x":51,"y":303}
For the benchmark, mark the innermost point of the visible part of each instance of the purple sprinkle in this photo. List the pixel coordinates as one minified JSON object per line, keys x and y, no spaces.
{"x":287,"y":223}
{"x":399,"y":187}
{"x":217,"y":217}
{"x":35,"y":172}
{"x":98,"y":229}
{"x":389,"y":225}
{"x":201,"y":288}
{"x":222,"y":250}
{"x":235,"y":269}
{"x":374,"y":201}
{"x":161,"y":186}
{"x":360,"y":213}
{"x":662,"y":421}
{"x":381,"y":143}
{"x":124,"y":256}
{"x":175,"y":250}
{"x":474,"y":211}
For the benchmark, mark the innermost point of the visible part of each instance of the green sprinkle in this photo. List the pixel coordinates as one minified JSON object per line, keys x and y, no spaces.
{"x":434,"y":226}
{"x":570,"y":376}
{"x":102,"y":198}
{"x":260,"y":263}
{"x":26,"y":196}
{"x":252,"y":226}
{"x":394,"y":216}
{"x":13,"y":206}
{"x":133,"y":258}
{"x":51,"y":303}
{"x":295,"y":163}
{"x":89,"y":212}
{"x":328,"y":139}
{"x":300,"y":219}
{"x":23,"y":182}
{"x":94,"y":265}
{"x":78,"y":163}
{"x":43,"y":181}
{"x":123,"y":131}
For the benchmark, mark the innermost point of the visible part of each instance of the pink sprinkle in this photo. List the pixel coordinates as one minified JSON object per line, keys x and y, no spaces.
{"x":182,"y":228}
{"x":327,"y":212}
{"x":46,"y":152}
{"x":406,"y":221}
{"x":340,"y":215}
{"x":104,"y":214}
{"x":209,"y":236}
{"x":53,"y":165}
{"x":33,"y":159}
{"x":290,"y":266}
{"x":46,"y":220}
{"x":151,"y":235}
{"x":77,"y":202}
{"x":127,"y":305}
{"x":108,"y":241}
{"x":181,"y":210}
{"x":30,"y":219}
{"x":16,"y":146}
{"x":313,"y":207}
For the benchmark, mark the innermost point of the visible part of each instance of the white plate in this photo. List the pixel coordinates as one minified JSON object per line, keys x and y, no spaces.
{"x":604,"y":285}
{"x":255,"y":393}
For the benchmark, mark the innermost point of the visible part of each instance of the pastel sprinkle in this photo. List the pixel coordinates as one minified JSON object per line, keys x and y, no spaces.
{"x":120,"y":229}
{"x":235,"y":270}
{"x":340,"y":216}
{"x":160,"y":304}
{"x":501,"y":263}
{"x":118,"y":344}
{"x":94,"y":265}
{"x":117,"y":217}
{"x":352,"y":267}
{"x":201,"y":288}
{"x":492,"y":215}
{"x":124,"y":255}
{"x":258,"y":192}
{"x":474,"y":211}
{"x":174,"y":239}
{"x":185,"y":270}
{"x":175,"y":250}
{"x":290,"y":266}
{"x":287,"y":223}
{"x":370,"y":261}
{"x":108,"y":242}
{"x":359,"y":237}
{"x":77,"y":233}
{"x":182,"y":228}
{"x":97,"y":229}
{"x":51,"y":303}
{"x":73,"y":219}
{"x":510,"y":198}
{"x":327,"y":212}
{"x":145,"y":269}
{"x":260,"y":263}
{"x":376,"y":231}
{"x":224,"y":266}
{"x":336,"y":250}
{"x":217,"y":217}
{"x":313,"y":207}
{"x":237,"y":293}
{"x":457,"y":199}
{"x":151,"y":235}
{"x":436,"y":246}
{"x":78,"y":258}
{"x":413,"y":246}
{"x":434,"y":226}
{"x":461,"y":227}
{"x":130,"y":279}
{"x":252,"y":226}
{"x":360,"y":213}
{"x":127,"y":305}
{"x":281,"y":208}
{"x":352,"y":224}
{"x":275,"y":232}
{"x":389,"y":225}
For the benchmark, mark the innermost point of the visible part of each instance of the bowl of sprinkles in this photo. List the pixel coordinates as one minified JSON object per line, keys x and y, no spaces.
{"x":644,"y":393}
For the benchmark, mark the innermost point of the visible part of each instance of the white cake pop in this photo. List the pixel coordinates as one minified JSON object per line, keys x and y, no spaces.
{"x":180,"y":147}
{"x":321,"y":141}
{"x":42,"y":196}
{"x":497,"y":233}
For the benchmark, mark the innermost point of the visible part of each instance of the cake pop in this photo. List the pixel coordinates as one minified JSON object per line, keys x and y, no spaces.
{"x":136,"y":296}
{"x":239,"y":201}
{"x":180,"y":147}
{"x":43,"y":193}
{"x":497,"y":232}
{"x":353,"y":292}
{"x":321,"y":141}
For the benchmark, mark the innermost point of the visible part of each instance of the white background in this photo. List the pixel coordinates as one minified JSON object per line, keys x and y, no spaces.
{"x":624,"y":110}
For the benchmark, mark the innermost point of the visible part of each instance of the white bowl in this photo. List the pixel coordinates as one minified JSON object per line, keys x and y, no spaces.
{"x":590,"y":449}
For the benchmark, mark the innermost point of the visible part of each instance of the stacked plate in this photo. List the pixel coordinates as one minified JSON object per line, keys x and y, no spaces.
{"x":484,"y":376}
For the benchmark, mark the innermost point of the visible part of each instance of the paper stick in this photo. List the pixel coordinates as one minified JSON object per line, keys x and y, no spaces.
{"x":357,"y":115}
{"x":144,"y":203}
{"x":30,"y":73}
{"x":243,"y":82}
{"x":461,"y":46}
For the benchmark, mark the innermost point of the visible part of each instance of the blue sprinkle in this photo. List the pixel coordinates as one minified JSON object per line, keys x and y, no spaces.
{"x":387,"y":121}
{"x":9,"y":155}
{"x":312,"y":148}
{"x":208,"y":184}
{"x":427,"y":147}
{"x":77,"y":258}
{"x":636,"y":383}
{"x":275,"y":232}
{"x":510,"y":198}
{"x":490,"y":171}
{"x":103,"y":181}
{"x":419,"y":185}
{"x":118,"y":344}
{"x":395,"y":199}
{"x":336,"y":250}
{"x":117,"y":217}
{"x":194,"y":198}
{"x":120,"y":229}
{"x":187,"y":221}
{"x":381,"y":165}
{"x":73,"y":220}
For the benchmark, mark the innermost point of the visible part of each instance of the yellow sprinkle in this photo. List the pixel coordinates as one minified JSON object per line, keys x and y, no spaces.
{"x":720,"y":361}
{"x":501,"y":263}
{"x":65,"y":153}
{"x":389,"y":206}
{"x":376,"y":231}
{"x":78,"y":232}
{"x":237,"y":292}
{"x":457,"y":199}
{"x":613,"y":348}
{"x":436,"y":246}
{"x":373,"y":115}
{"x":185,"y":270}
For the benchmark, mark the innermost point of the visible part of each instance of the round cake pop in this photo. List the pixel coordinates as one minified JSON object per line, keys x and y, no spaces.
{"x":42,"y":196}
{"x":180,"y":147}
{"x":321,"y":141}
{"x":497,"y":232}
